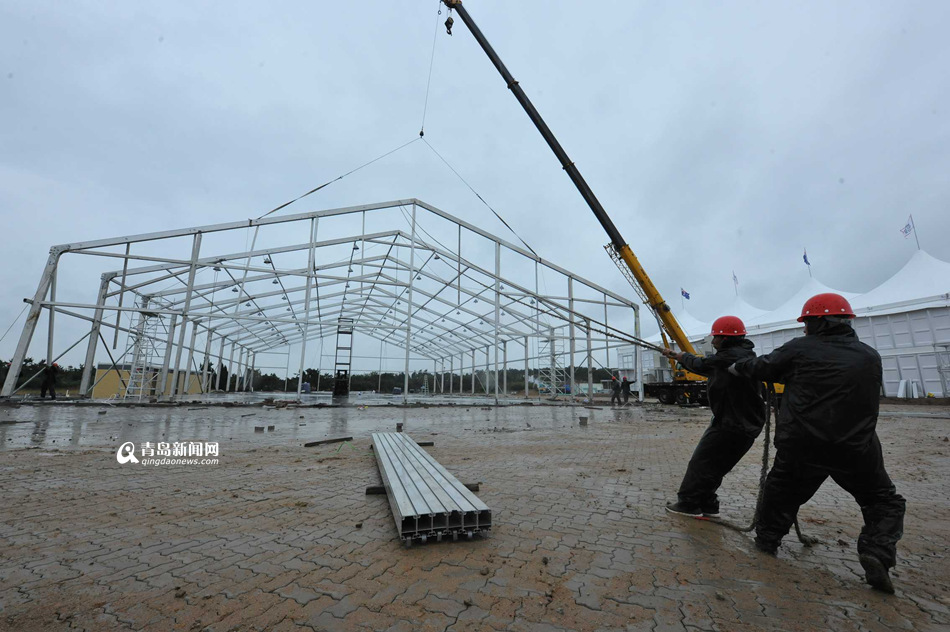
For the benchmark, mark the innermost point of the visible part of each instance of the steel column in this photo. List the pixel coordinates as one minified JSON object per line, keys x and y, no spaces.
{"x":527,"y":384}
{"x":52,"y":315}
{"x":207,"y":363}
{"x":504,"y":379}
{"x":412,"y":278}
{"x":590,"y":367}
{"x":497,"y":322}
{"x":89,"y":365}
{"x":227,"y":387}
{"x":195,"y":249}
{"x":217,"y":381}
{"x":242,"y":362}
{"x":163,"y":376}
{"x":573,"y":341}
{"x":118,"y":315}
{"x":191,"y":355}
{"x":16,"y":363}
{"x":639,"y":361}
{"x":306,"y":326}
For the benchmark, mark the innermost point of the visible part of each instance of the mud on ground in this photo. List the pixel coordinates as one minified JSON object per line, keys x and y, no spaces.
{"x":281,"y":537}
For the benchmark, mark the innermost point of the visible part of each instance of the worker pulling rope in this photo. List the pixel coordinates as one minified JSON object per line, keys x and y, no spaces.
{"x":763,"y":473}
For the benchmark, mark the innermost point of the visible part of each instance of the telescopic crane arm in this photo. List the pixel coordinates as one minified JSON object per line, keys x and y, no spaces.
{"x":621,"y":249}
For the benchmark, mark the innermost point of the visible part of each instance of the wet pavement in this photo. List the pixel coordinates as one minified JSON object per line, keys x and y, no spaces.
{"x":276,"y":536}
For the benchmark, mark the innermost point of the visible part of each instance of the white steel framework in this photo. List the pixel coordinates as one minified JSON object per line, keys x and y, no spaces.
{"x":424,"y":281}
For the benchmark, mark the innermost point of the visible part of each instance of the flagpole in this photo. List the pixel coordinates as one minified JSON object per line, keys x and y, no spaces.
{"x":915,"y":230}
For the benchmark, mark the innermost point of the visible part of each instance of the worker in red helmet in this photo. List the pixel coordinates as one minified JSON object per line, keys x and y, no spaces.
{"x":614,"y":390}
{"x":827,"y":427}
{"x":738,"y":416}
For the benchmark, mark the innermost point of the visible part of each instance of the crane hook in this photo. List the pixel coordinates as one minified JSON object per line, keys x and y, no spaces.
{"x":448,"y":25}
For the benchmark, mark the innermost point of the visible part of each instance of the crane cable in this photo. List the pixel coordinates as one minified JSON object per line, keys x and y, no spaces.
{"x":470,"y":188}
{"x":328,"y":183}
{"x":13,"y":323}
{"x":425,"y":105}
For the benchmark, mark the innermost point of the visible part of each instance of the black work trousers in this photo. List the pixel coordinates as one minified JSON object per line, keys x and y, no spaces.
{"x":717,"y":453}
{"x":47,"y":387}
{"x":615,"y":397}
{"x":798,"y":472}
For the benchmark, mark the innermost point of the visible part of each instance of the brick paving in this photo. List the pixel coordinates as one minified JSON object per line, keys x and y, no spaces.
{"x":281,"y":537}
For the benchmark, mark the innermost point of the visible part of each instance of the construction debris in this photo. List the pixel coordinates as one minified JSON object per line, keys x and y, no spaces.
{"x":325,"y":441}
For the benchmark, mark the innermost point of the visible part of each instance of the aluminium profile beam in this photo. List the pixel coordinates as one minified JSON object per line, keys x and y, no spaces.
{"x":426,"y":500}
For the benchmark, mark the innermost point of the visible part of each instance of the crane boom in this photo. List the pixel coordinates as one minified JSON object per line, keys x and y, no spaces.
{"x":653,"y":298}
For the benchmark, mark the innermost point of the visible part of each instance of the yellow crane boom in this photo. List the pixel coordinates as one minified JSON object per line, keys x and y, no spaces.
{"x":618,"y":248}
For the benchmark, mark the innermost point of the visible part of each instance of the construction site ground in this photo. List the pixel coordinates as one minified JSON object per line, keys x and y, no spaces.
{"x":277,"y":536}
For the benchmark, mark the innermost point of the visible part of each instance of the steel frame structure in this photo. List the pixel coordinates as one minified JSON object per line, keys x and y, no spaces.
{"x":412,"y":292}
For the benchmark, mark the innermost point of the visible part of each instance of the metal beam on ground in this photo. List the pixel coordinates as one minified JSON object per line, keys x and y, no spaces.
{"x":426,"y":500}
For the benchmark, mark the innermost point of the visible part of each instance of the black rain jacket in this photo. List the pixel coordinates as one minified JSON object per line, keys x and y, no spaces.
{"x":736,"y":402}
{"x":832,"y":386}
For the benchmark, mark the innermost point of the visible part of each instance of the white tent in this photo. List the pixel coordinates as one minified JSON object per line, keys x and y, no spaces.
{"x":906,"y":318}
{"x":786,"y":315}
{"x":694,"y":328}
{"x":923,"y":282}
{"x":747,"y":313}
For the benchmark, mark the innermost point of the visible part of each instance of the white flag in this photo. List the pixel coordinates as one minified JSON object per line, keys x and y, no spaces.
{"x":908,"y":228}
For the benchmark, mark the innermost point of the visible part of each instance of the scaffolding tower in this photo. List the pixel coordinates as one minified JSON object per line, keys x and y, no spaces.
{"x":553,"y":375}
{"x":142,"y":374}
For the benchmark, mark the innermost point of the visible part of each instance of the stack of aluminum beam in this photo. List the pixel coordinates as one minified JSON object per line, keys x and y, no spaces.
{"x":427,"y":501}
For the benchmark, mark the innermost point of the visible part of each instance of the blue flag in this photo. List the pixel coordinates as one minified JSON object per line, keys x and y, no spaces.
{"x":684,"y":293}
{"x":805,"y":257}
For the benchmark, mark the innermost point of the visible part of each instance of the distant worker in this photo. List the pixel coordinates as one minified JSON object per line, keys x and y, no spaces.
{"x":615,"y":390}
{"x":625,"y":389}
{"x":50,"y":373}
{"x":827,"y":427}
{"x":738,"y":416}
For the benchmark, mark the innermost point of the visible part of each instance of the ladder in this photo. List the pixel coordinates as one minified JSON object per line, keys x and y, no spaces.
{"x":344,"y":357}
{"x":142,"y":374}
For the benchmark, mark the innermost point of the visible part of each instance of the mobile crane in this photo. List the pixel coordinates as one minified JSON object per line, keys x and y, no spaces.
{"x":686,"y":386}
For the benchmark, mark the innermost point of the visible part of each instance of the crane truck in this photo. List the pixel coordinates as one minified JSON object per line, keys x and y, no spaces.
{"x":686,"y":386}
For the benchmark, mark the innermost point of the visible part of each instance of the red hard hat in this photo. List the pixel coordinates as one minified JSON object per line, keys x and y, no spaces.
{"x":728,"y":326}
{"x":828,"y":304}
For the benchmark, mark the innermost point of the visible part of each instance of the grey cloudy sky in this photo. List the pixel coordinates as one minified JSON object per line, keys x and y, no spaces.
{"x":719,"y":136}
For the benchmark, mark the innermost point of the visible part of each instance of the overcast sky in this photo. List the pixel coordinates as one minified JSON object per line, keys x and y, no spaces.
{"x":719,"y":136}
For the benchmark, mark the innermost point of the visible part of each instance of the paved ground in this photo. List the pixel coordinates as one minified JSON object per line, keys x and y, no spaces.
{"x":281,"y":537}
